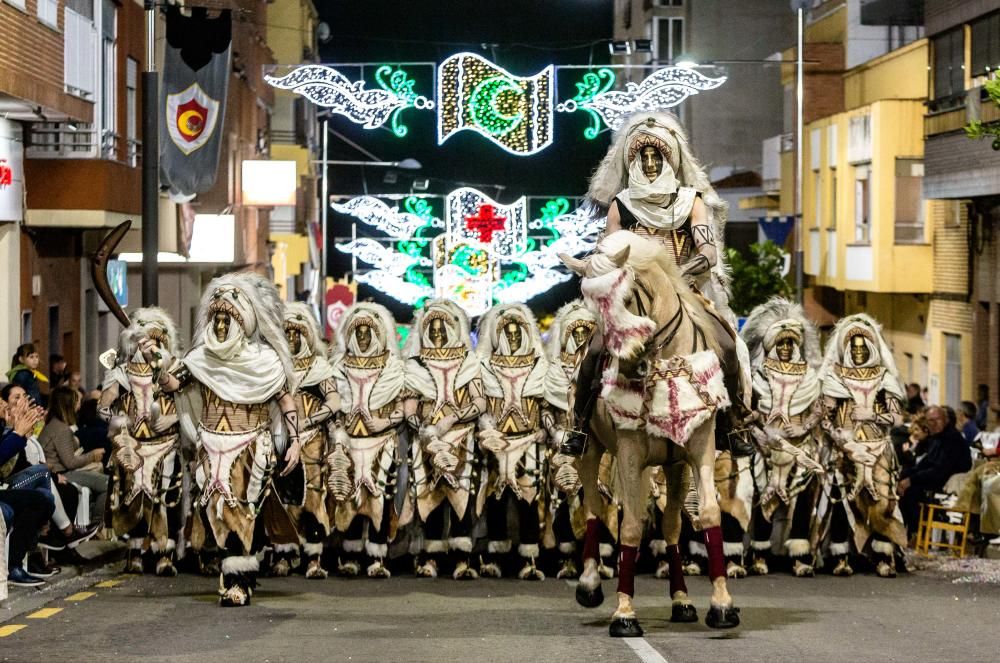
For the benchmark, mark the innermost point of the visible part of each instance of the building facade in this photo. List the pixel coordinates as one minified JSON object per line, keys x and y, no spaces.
{"x":70,"y":94}
{"x":964,"y":175}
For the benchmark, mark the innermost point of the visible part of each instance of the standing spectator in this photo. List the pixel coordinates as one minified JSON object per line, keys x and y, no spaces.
{"x":63,"y":454}
{"x":967,"y":421}
{"x":982,"y":407}
{"x":914,"y":402}
{"x":75,"y":381}
{"x":58,"y":371}
{"x":24,"y":372}
{"x":24,"y":511}
{"x":947,"y":453}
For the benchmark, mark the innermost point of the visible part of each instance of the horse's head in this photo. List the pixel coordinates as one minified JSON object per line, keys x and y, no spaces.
{"x":614,"y":287}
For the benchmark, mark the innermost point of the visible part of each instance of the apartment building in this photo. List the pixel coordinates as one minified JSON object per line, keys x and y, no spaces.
{"x":71,"y":132}
{"x":964,"y":175}
{"x":295,"y":136}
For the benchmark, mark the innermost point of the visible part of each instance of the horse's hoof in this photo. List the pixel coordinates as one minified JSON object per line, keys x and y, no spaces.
{"x":589,"y":598}
{"x":722,"y":617}
{"x":625,"y":627}
{"x":683,"y":613}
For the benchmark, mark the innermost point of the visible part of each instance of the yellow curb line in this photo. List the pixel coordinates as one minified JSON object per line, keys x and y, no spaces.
{"x":109,"y":583}
{"x":44,"y":613}
{"x":10,"y":629}
{"x":80,"y":596}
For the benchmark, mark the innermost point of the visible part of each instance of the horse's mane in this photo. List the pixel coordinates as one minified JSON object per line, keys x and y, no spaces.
{"x":645,"y":255}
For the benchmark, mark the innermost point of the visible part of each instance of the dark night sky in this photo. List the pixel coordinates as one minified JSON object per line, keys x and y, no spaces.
{"x":527,"y":35}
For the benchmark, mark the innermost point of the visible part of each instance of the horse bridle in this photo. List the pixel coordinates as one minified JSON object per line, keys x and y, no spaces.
{"x":670,"y":328}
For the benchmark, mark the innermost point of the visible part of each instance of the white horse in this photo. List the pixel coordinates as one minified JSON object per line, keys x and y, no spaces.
{"x":660,"y":393}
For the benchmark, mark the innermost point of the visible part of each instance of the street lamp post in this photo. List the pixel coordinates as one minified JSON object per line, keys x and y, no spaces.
{"x":150,"y":164}
{"x":799,"y":6}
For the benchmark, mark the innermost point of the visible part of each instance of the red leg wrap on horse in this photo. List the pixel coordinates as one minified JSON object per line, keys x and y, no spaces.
{"x":592,"y":540}
{"x":626,"y":569}
{"x":716,"y":558}
{"x":677,"y":583}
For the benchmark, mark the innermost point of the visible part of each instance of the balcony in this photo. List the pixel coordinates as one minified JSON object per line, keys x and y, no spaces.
{"x":66,"y":140}
{"x":773,"y":147}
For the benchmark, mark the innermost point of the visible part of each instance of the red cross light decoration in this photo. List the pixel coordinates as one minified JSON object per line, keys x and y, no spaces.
{"x":485,"y":222}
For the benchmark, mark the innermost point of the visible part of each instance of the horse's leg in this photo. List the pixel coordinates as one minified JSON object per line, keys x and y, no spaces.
{"x":631,"y":459}
{"x":701,"y":456}
{"x":588,"y":590}
{"x":682,"y":610}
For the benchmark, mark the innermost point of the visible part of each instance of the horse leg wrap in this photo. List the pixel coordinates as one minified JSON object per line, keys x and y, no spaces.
{"x":716,"y":558}
{"x":626,"y":569}
{"x":591,"y":540}
{"x":677,"y":583}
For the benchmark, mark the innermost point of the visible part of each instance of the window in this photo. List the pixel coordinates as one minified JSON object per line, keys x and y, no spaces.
{"x":909,"y":366}
{"x":952,"y":369}
{"x":54,"y":336}
{"x":109,"y":80}
{"x":668,"y":38}
{"x":862,"y":205}
{"x":909,"y":201}
{"x":986,"y":44}
{"x":25,"y":326}
{"x":949,"y":59}
{"x":833,"y":200}
{"x":669,"y":3}
{"x":818,"y":195}
{"x":48,"y":12}
{"x":131,"y":110}
{"x":80,"y":49}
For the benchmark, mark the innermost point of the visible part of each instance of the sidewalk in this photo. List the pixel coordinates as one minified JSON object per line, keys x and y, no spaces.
{"x":103,"y":560}
{"x":965,"y":570}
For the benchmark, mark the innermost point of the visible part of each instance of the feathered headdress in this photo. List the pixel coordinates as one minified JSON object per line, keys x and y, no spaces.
{"x":838,"y":352}
{"x":451,"y":314}
{"x":255,"y":304}
{"x":301,"y":316}
{"x":769,"y":320}
{"x":490,"y":332}
{"x":377,"y":317}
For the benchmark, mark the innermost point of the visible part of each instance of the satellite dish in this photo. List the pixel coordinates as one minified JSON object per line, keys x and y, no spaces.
{"x":323,"y":32}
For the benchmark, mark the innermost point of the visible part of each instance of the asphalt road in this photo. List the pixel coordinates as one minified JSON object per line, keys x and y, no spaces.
{"x":916,"y":617}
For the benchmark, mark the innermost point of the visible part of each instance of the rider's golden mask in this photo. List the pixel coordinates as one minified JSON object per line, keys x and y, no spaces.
{"x":438,"y":333}
{"x":652,"y":162}
{"x":220,"y":325}
{"x":860,"y":354}
{"x":363,"y":335}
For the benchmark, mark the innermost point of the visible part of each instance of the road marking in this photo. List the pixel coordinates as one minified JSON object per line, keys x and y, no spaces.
{"x":44,"y":613}
{"x":80,"y":596}
{"x":109,"y":583}
{"x":644,"y":650}
{"x":11,"y":629}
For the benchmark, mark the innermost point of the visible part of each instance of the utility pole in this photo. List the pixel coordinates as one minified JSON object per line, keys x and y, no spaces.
{"x":323,"y":212}
{"x":800,"y":7}
{"x":150,"y":164}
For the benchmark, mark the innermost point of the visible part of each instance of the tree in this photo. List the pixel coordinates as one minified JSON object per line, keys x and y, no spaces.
{"x":757,"y":279}
{"x":976,"y":129}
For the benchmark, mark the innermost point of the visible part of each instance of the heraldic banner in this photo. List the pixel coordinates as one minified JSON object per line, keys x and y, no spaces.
{"x":193,"y":99}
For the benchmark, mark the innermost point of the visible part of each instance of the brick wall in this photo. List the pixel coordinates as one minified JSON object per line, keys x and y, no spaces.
{"x":950,"y":222}
{"x":31,"y":61}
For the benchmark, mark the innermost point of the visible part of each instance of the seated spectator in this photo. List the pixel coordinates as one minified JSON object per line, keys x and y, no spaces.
{"x":908,"y":449}
{"x":967,"y":421}
{"x":947,"y":453}
{"x":25,"y":512}
{"x":29,"y":471}
{"x":980,"y":495}
{"x":64,"y":455}
{"x":75,"y":381}
{"x":914,"y":403}
{"x":93,"y":432}
{"x":983,"y":407}
{"x":24,"y":372}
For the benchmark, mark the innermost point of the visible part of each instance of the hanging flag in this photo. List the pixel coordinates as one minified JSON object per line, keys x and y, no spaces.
{"x":193,"y":99}
{"x":776,"y":228}
{"x":513,"y":112}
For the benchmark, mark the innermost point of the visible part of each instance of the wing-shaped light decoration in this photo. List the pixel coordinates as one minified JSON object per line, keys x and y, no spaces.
{"x":372,"y":252}
{"x":394,"y":286}
{"x":664,"y":88}
{"x":390,"y":220}
{"x":513,"y":112}
{"x":327,"y":87}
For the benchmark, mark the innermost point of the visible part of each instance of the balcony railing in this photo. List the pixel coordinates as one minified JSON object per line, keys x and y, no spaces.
{"x":953,"y":113}
{"x":55,"y":140}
